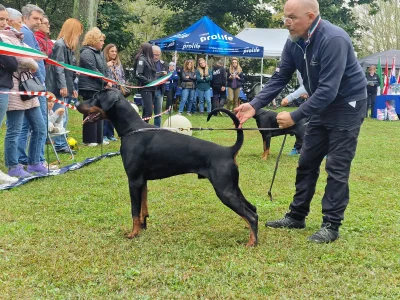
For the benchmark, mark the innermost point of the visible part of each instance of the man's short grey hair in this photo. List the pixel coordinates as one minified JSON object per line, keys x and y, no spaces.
{"x":2,"y":7}
{"x":155,"y":47}
{"x":29,"y":8}
{"x":13,"y":14}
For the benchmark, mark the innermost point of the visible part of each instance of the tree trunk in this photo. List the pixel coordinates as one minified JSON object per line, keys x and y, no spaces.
{"x":86,"y":12}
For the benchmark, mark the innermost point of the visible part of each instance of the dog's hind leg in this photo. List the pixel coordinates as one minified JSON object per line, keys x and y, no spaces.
{"x":228,"y":191}
{"x":135,"y":190}
{"x":144,"y":211}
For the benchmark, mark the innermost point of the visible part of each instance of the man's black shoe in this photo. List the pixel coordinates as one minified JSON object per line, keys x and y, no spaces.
{"x":325,"y":235}
{"x":65,"y":150}
{"x":287,"y":222}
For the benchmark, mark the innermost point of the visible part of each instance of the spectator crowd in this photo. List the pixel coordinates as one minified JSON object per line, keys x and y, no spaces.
{"x":194,"y":88}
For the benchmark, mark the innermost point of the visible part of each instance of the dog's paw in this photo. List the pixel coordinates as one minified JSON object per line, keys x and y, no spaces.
{"x":132,"y":235}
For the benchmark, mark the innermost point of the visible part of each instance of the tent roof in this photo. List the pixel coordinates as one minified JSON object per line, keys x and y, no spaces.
{"x":373,"y":59}
{"x":273,"y":40}
{"x":205,"y":37}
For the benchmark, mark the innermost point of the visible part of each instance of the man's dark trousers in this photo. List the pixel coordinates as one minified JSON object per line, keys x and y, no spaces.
{"x":334,"y":133}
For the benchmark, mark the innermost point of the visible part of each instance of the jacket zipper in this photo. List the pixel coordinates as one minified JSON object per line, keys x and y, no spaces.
{"x":305,"y":59}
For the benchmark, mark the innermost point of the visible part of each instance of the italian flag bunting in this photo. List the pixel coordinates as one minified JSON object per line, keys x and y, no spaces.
{"x":386,"y":84}
{"x":19,"y":51}
{"x":380,"y":74}
{"x":13,"y":50}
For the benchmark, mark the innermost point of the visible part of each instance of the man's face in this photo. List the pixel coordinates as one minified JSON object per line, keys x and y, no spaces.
{"x":297,"y":20}
{"x":34,"y":21}
{"x":156,"y":55}
{"x":45,"y":26}
{"x":3,"y":19}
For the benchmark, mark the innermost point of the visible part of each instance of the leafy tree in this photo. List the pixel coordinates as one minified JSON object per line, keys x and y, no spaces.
{"x":222,"y":12}
{"x":57,"y":11}
{"x":382,"y":30}
{"x":113,"y":19}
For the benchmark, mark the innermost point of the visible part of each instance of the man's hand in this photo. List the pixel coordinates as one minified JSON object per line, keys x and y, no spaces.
{"x":108,"y":85}
{"x":75,"y":94}
{"x":64,"y":92}
{"x":284,"y":102}
{"x":284,"y":119}
{"x":244,"y":112}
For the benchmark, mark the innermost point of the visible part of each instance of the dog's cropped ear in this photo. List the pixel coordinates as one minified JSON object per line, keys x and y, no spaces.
{"x":107,"y":98}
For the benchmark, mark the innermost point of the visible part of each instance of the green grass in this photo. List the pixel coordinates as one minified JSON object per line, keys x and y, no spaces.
{"x":62,"y":237}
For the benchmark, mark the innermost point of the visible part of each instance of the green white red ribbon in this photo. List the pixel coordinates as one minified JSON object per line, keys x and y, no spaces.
{"x":13,"y":50}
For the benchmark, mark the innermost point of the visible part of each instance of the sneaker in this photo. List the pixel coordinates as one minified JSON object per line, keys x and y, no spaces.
{"x":38,"y":168}
{"x":4,"y":178}
{"x":286,"y":222}
{"x":105,"y":139}
{"x":294,"y":152}
{"x":189,"y":114}
{"x":106,"y":142}
{"x":325,"y":235}
{"x":18,"y":171}
{"x":180,"y":113}
{"x":112,"y":138}
{"x":91,"y":144}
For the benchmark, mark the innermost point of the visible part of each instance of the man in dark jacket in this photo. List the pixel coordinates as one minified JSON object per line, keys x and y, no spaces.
{"x":336,"y":85}
{"x":218,"y":84}
{"x":372,"y":88}
{"x":161,"y":70}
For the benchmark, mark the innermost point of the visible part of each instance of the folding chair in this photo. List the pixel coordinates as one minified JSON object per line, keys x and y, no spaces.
{"x":52,"y":135}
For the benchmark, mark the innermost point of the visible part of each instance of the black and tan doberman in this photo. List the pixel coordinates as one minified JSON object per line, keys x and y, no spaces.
{"x":267,"y":119}
{"x":149,"y":153}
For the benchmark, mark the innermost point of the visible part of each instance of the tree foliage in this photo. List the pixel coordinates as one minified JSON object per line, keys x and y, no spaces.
{"x":222,"y":12}
{"x":113,"y":20}
{"x":57,"y":11}
{"x":382,"y":31}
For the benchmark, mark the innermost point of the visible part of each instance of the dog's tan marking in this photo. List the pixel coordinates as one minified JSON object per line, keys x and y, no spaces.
{"x":252,"y":238}
{"x":135,"y":228}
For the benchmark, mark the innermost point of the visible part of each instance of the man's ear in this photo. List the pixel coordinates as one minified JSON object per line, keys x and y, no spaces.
{"x":107,"y":98}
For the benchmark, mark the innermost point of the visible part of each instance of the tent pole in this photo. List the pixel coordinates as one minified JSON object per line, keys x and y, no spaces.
{"x":261,"y":76}
{"x":207,"y":59}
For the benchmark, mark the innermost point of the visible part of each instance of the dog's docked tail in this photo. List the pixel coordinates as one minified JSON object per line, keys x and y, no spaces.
{"x":239,"y":141}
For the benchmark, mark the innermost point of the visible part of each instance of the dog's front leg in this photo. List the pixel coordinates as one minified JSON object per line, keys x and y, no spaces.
{"x":144,"y":212}
{"x":135,"y":191}
{"x":266,"y":144}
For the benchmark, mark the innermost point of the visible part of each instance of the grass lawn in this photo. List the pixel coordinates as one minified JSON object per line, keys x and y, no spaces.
{"x":62,"y":237}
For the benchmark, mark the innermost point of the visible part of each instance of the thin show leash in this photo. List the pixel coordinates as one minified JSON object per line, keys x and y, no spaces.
{"x":195,"y":129}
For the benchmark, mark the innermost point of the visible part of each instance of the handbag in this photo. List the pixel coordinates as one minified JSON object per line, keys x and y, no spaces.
{"x":29,"y":83}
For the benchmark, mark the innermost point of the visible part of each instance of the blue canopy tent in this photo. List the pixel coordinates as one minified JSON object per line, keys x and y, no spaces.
{"x":205,"y":37}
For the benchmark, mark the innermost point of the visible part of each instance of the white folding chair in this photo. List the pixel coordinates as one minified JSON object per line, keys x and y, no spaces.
{"x":53,"y":135}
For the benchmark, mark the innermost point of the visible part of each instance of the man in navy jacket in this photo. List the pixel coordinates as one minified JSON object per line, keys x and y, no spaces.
{"x":336,"y":84}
